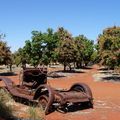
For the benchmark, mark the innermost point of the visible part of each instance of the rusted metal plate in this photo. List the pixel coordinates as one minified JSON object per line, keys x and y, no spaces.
{"x":73,"y":96}
{"x":13,"y":89}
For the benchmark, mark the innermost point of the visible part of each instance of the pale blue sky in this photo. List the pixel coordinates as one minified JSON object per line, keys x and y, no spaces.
{"x":89,"y":17}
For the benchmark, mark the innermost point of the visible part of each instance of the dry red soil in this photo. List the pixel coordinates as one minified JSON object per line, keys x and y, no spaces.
{"x":106,"y":97}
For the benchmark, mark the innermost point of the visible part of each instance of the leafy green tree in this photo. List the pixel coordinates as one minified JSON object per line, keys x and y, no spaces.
{"x":33,"y":49}
{"x":84,"y":50}
{"x":50,"y":44}
{"x":87,"y":51}
{"x":41,"y":49}
{"x":95,"y":56}
{"x":60,"y":46}
{"x":79,"y":50}
{"x":19,"y":56}
{"x":109,"y":47}
{"x":66,"y":48}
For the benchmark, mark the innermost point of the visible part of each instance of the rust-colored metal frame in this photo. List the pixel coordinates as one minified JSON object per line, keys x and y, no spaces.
{"x":34,"y":88}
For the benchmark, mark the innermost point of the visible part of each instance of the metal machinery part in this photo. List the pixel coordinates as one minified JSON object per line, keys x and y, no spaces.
{"x":33,"y":87}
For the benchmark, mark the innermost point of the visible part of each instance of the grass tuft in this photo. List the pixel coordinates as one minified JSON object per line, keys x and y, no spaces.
{"x":36,"y":113}
{"x":5,"y":109}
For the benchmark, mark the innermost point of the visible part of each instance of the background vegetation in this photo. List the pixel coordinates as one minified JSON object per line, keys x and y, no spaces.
{"x":109,"y":47}
{"x":46,"y":48}
{"x":53,"y":47}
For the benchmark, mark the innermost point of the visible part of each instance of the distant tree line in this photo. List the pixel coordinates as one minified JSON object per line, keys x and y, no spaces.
{"x":49,"y":47}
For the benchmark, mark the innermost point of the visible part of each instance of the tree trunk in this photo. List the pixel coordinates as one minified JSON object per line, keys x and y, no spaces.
{"x":24,"y":66}
{"x":78,"y":65}
{"x":70,"y":67}
{"x":74,"y":65}
{"x":64,"y":67}
{"x":86,"y":63}
{"x":11,"y":68}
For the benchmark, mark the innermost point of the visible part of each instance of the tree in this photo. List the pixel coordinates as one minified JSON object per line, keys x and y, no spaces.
{"x":19,"y":56}
{"x":84,"y":50}
{"x":87,"y":51}
{"x":79,"y":46}
{"x":5,"y":53}
{"x":50,"y":44}
{"x":66,"y":48}
{"x":95,"y":56}
{"x":41,"y":49}
{"x":45,"y":48}
{"x":33,"y":49}
{"x":109,"y":47}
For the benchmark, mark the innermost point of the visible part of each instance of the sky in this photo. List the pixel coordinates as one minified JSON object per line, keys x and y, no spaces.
{"x":18,"y":18}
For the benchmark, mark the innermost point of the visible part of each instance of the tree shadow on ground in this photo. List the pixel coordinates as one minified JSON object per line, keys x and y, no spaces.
{"x":103,"y":69}
{"x":109,"y":72}
{"x":8,"y":74}
{"x":105,"y":72}
{"x":86,"y":68}
{"x":62,"y":73}
{"x":54,"y":75}
{"x":111,"y":78}
{"x":69,"y":71}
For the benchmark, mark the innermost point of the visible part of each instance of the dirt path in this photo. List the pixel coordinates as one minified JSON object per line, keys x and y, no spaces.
{"x":106,"y":98}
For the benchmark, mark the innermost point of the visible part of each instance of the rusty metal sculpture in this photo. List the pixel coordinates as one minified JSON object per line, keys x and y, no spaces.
{"x":33,"y":86}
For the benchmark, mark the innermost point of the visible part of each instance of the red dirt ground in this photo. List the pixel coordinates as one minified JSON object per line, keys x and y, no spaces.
{"x":106,"y":97}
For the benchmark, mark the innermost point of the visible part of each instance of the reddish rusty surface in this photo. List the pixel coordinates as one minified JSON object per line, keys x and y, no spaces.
{"x":74,"y":95}
{"x":31,"y":78}
{"x":33,"y":87}
{"x":38,"y":75}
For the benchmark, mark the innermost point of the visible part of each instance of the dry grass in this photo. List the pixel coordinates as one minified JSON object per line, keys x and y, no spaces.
{"x":9,"y":109}
{"x":5,"y":107}
{"x":36,"y":113}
